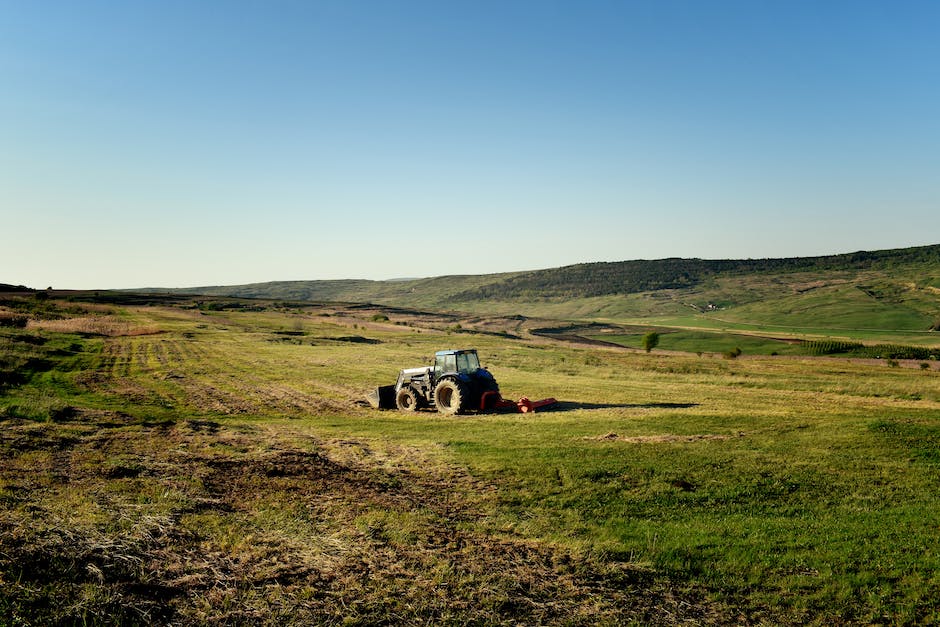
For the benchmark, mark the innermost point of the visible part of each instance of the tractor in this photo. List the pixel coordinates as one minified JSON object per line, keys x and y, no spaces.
{"x":453,"y":385}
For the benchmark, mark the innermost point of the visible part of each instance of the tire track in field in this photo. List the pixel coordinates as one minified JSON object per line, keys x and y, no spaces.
{"x":120,"y":359}
{"x":228,"y":378}
{"x":141,"y":351}
{"x":208,"y":378}
{"x":116,"y":371}
{"x":236,"y":373}
{"x":159,"y":350}
{"x":194,"y":376}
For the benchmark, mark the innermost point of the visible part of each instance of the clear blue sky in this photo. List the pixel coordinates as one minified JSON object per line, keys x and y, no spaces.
{"x":181,"y":143}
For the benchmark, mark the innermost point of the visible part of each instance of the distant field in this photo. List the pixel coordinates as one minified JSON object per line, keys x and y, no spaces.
{"x":716,"y":323}
{"x":210,"y":461}
{"x":755,"y":344}
{"x":696,"y":342}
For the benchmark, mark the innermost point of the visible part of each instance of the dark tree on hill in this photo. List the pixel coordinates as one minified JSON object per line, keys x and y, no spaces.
{"x":650,"y":341}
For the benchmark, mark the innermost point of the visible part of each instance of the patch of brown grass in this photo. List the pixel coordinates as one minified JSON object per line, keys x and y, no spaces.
{"x":108,"y":326}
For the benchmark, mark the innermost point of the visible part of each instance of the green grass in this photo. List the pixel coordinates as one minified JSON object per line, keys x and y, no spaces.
{"x":840,"y":307}
{"x":231,"y":473}
{"x":706,"y":342}
{"x":752,"y":344}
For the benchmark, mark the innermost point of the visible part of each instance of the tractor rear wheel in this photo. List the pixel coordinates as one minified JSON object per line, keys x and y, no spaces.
{"x":450,"y":396}
{"x":406,"y":399}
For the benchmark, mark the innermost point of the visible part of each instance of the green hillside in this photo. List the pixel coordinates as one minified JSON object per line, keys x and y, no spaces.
{"x":882,"y":291}
{"x":429,"y":292}
{"x":628,"y":277}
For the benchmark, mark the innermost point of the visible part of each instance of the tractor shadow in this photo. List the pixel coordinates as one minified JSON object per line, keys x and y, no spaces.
{"x":573,"y":406}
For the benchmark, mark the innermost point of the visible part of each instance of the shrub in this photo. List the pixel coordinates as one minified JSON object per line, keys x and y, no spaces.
{"x":924,"y":366}
{"x":733,"y":353}
{"x":15,"y":321}
{"x":650,"y":341}
{"x":379,"y":318}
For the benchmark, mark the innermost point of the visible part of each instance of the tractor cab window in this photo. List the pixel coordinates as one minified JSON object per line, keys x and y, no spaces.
{"x":445,"y":363}
{"x":468,"y":362}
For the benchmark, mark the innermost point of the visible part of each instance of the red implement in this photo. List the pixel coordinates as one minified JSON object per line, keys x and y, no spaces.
{"x":526,"y":406}
{"x":493,"y":400}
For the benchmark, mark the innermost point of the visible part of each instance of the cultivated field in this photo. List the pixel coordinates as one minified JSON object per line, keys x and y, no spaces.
{"x":211,"y":462}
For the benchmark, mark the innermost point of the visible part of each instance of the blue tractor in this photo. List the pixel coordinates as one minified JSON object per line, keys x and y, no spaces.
{"x":454,"y":384}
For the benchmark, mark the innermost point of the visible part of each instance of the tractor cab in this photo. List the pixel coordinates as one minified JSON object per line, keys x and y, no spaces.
{"x":463,"y":362}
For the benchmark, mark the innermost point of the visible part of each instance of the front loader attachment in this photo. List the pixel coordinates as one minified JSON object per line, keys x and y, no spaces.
{"x":382,"y":397}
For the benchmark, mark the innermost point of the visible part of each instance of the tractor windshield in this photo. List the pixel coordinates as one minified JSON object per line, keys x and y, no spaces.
{"x":467,"y":362}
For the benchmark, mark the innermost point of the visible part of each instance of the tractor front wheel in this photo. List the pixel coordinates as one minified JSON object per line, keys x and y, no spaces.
{"x":406,"y":399}
{"x":450,"y":396}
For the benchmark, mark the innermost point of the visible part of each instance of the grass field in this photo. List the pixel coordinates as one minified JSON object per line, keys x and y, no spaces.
{"x":708,"y":342}
{"x":174,"y":464}
{"x":755,"y":343}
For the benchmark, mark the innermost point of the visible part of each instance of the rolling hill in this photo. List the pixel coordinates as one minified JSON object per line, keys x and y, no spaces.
{"x":888,"y":290}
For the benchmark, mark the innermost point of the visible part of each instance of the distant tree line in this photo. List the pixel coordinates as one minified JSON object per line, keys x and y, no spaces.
{"x":627,"y":277}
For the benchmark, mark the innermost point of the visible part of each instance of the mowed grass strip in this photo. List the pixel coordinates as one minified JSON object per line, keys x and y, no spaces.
{"x":780,"y":490}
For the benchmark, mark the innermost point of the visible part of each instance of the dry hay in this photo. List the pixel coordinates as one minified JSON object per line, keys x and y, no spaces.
{"x":108,"y":326}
